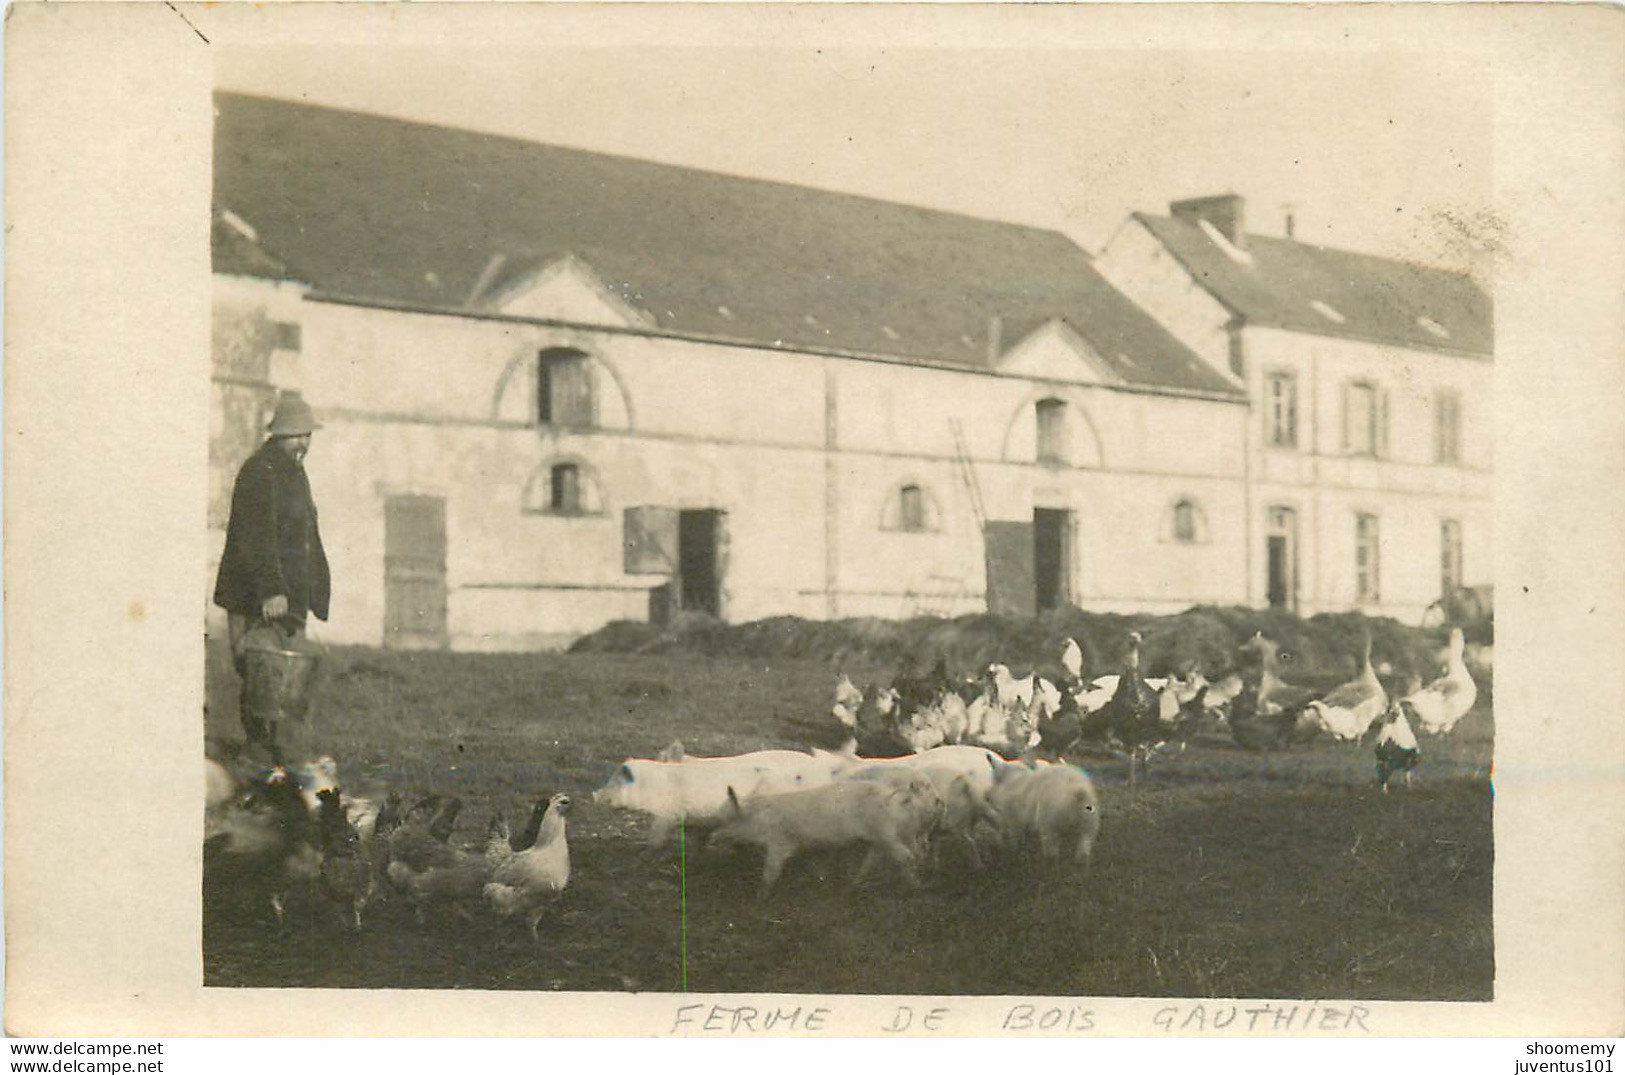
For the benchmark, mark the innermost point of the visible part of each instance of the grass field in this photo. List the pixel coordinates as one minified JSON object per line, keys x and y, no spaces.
{"x":1222,"y":873}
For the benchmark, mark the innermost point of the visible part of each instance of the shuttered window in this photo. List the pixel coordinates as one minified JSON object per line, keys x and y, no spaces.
{"x":1367,"y":560}
{"x":1365,"y":420}
{"x":1447,"y":427}
{"x":1281,"y":409}
{"x":564,"y":390}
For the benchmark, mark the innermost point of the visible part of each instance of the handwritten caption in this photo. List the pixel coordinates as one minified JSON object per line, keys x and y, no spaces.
{"x":1076,"y":1018}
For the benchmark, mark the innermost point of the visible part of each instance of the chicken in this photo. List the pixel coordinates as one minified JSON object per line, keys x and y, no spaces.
{"x":1132,"y":715}
{"x":1437,"y":707}
{"x":1059,"y":733}
{"x":878,"y":729}
{"x":428,"y":870}
{"x":1397,"y":751}
{"x":264,"y":842}
{"x":1348,"y":710}
{"x":527,"y":882}
{"x":347,"y":874}
{"x":1072,"y":662}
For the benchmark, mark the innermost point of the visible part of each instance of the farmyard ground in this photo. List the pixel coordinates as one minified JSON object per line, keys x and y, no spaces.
{"x":1223,"y":873}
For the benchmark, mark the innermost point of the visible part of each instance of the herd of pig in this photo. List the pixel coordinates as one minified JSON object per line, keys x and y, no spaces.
{"x":945,"y":800}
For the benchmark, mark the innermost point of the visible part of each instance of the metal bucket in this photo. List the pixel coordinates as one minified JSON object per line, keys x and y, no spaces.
{"x":279,"y":673}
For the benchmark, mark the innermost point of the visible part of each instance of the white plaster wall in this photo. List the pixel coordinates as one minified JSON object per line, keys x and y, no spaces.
{"x":1407,"y":489}
{"x":1143,"y":269}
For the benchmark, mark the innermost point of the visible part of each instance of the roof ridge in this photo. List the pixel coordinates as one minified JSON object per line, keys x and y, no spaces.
{"x":1339,"y":250}
{"x":647,"y":162}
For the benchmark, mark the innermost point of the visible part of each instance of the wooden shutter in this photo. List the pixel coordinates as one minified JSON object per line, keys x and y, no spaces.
{"x":572,"y":385}
{"x":1011,"y":587}
{"x":1348,"y":416}
{"x":1379,"y":445}
{"x":650,"y":539}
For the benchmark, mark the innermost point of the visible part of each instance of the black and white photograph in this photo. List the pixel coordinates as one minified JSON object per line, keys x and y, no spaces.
{"x":993,"y":511}
{"x":961,"y":507}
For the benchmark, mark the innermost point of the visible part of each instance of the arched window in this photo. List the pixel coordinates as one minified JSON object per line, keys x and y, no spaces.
{"x":564,"y":486}
{"x":565,"y":498}
{"x":564,"y":389}
{"x":1185,"y":522}
{"x":911,"y":508}
{"x":1052,"y":438}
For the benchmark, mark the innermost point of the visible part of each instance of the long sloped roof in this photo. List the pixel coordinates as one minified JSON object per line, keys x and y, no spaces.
{"x":379,"y":209}
{"x":1289,"y":284}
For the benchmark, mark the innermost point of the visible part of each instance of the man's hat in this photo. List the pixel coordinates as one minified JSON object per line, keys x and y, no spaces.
{"x":293,"y":417}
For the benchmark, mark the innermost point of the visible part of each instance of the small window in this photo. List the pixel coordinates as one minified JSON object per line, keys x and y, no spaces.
{"x":1450,"y":570}
{"x":1364,"y":420}
{"x":285,"y":335}
{"x":565,"y":496}
{"x":563,"y":486}
{"x":1187,"y":522}
{"x":1447,"y":427}
{"x":564,"y":389}
{"x":1052,"y":440}
{"x":1281,"y":409}
{"x":911,"y":508}
{"x":1367,"y":560}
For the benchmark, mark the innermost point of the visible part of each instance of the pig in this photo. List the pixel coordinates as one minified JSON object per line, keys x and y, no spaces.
{"x":1054,"y":806}
{"x":677,"y":788}
{"x":964,"y":800}
{"x":975,"y":762}
{"x":891,"y":816}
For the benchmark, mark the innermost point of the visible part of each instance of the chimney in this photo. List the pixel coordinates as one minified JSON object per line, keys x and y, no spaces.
{"x":1226,"y":212}
{"x":995,"y":338}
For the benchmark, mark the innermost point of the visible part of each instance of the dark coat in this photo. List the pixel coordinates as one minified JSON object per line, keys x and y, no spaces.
{"x":272,"y":543}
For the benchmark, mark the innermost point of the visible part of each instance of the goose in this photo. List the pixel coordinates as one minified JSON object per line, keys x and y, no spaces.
{"x":1437,"y":707}
{"x":1348,"y":710}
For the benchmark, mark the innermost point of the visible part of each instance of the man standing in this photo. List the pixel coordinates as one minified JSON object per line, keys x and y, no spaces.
{"x":274,"y":569}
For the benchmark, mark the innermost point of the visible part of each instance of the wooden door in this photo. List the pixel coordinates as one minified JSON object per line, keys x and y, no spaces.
{"x":1010,"y":585}
{"x":415,"y":572}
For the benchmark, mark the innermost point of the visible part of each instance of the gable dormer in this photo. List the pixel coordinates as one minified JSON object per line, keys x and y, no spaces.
{"x":1054,"y":351}
{"x":563,"y":289}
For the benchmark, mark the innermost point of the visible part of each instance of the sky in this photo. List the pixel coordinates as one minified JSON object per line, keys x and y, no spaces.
{"x":1380,"y":151}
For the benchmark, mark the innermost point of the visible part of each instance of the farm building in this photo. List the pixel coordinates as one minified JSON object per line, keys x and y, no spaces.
{"x":1369,"y":436}
{"x":560,"y":388}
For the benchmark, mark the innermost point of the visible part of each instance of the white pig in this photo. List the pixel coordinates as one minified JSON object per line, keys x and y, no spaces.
{"x":677,"y":788}
{"x":975,"y":762}
{"x":964,"y":800}
{"x":892,"y":818}
{"x":1054,"y":806}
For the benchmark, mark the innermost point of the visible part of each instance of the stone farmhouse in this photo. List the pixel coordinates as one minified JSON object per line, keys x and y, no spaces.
{"x":560,"y":388}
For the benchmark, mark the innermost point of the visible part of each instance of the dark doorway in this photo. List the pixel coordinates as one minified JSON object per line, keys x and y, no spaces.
{"x":1052,"y":558}
{"x":1281,"y":551}
{"x":699,"y":561}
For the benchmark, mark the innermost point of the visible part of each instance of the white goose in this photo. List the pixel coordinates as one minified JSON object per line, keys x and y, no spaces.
{"x":1349,"y":710}
{"x":1438,"y":706}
